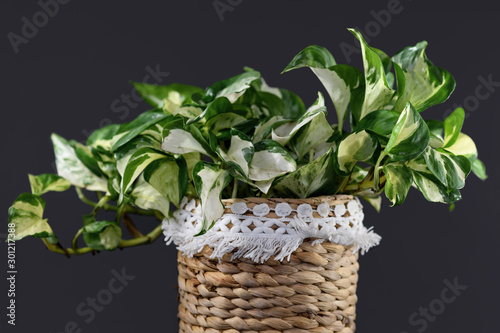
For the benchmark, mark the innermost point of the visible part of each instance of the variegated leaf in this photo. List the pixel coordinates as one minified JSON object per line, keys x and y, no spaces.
{"x":240,"y":152}
{"x":355,"y":147}
{"x":167,"y":97}
{"x":282,"y":134}
{"x":425,"y":84}
{"x":410,"y":136}
{"x":169,"y":176}
{"x":452,"y":127}
{"x":270,"y":160}
{"x":398,"y":182}
{"x":101,"y":235}
{"x":210,"y":181}
{"x":179,"y":141}
{"x":136,"y":165}
{"x":145,"y":196}
{"x":377,"y":91}
{"x":70,"y":167}
{"x":451,"y":170}
{"x":26,"y":218}
{"x":48,"y":182}
{"x":313,"y":179}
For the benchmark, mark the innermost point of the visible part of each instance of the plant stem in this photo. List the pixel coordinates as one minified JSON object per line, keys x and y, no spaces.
{"x":132,"y":229}
{"x":75,"y":239}
{"x":235,"y":189}
{"x":149,"y":238}
{"x":376,"y":174}
{"x":311,"y":155}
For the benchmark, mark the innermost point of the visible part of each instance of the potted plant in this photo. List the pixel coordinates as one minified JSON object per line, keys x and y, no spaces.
{"x":258,"y":192}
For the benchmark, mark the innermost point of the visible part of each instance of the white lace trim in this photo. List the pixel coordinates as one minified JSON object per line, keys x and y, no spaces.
{"x":277,"y":237}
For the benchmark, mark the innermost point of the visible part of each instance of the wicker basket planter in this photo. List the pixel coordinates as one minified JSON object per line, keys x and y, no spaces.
{"x":271,"y":265}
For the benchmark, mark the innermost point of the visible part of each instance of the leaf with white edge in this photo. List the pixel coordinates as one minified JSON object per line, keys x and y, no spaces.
{"x":479,"y":169}
{"x":224,"y":121}
{"x":452,"y":126}
{"x":232,"y":87}
{"x":270,"y":160}
{"x":312,"y":136}
{"x":210,"y":181}
{"x":218,"y":105}
{"x":410,"y":136}
{"x":432,"y":189}
{"x":377,"y":91}
{"x":398,"y":182}
{"x":48,"y":182}
{"x":145,"y":196}
{"x":134,"y":128}
{"x":70,"y":167}
{"x":101,"y":235}
{"x":265,"y":127}
{"x":240,"y":152}
{"x":179,"y":141}
{"x":338,"y":80}
{"x":167,"y":97}
{"x":425,"y":84}
{"x":436,"y":130}
{"x":451,"y":170}
{"x":102,"y":137}
{"x":464,"y":146}
{"x":375,"y":201}
{"x":313,"y":179}
{"x":25,"y":218}
{"x":283,"y":133}
{"x":123,"y":154}
{"x":312,"y":56}
{"x":136,"y":165}
{"x":356,"y":147}
{"x":169,"y":176}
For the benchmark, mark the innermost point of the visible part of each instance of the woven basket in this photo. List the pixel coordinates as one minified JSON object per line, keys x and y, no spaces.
{"x":312,"y":290}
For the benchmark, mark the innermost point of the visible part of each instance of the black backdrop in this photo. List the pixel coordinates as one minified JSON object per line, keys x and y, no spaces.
{"x":71,"y":76}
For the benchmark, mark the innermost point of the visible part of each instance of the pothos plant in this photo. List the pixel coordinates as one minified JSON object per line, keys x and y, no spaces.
{"x":242,"y":138}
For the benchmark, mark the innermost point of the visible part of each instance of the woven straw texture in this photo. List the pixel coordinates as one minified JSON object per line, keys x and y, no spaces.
{"x":314,"y":291}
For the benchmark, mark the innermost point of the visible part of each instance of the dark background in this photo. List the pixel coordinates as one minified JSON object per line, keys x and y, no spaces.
{"x":66,"y":78}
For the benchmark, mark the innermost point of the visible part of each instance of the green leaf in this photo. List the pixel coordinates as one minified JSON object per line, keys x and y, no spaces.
{"x":240,"y":153}
{"x":70,"y":167}
{"x":377,"y":91}
{"x":26,"y":216}
{"x":338,"y":80}
{"x":136,"y":165}
{"x":102,"y":137}
{"x":124,"y":153}
{"x":425,"y":84}
{"x":145,"y":196}
{"x":135,"y":127}
{"x":101,"y":235}
{"x":48,"y":182}
{"x":169,"y":176}
{"x":313,"y":179}
{"x":449,"y":169}
{"x":410,"y":136}
{"x":270,"y":160}
{"x":166,"y":97}
{"x":452,"y":126}
{"x":398,"y":182}
{"x":355,"y":147}
{"x":210,"y":181}
{"x":379,"y":122}
{"x":479,"y":169}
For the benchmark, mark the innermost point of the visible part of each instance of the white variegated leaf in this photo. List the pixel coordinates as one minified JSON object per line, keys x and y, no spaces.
{"x":71,"y":168}
{"x":210,"y":181}
{"x":240,"y":152}
{"x":26,"y":213}
{"x":270,"y":160}
{"x":146,"y":197}
{"x":179,"y":141}
{"x":355,"y":147}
